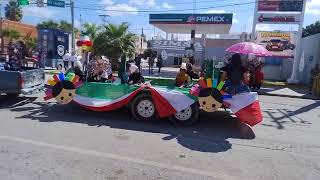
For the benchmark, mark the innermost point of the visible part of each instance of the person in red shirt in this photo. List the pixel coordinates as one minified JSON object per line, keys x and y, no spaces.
{"x":259,"y":77}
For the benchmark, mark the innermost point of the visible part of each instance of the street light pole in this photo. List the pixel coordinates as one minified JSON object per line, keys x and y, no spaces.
{"x":72,"y":22}
{"x":104,"y":18}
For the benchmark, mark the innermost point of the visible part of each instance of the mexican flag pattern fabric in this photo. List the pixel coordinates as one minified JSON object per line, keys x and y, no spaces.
{"x":167,"y":101}
{"x":104,"y":97}
{"x":246,"y":107}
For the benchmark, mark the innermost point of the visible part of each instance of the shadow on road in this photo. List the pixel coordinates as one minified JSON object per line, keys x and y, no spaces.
{"x":286,"y":116}
{"x":209,"y":135}
{"x":14,"y":101}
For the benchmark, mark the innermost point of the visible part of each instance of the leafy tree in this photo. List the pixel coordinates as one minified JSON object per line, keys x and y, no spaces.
{"x":62,"y":25}
{"x":311,"y":29}
{"x":114,"y":41}
{"x":31,"y":44}
{"x":48,"y":25}
{"x":12,"y":11}
{"x":65,"y":26}
{"x":11,"y":34}
{"x":91,"y":30}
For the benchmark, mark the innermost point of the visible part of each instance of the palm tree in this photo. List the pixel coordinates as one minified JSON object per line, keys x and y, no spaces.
{"x":65,"y":26}
{"x":62,"y":25}
{"x":91,"y":30}
{"x":12,"y":11}
{"x":113,"y":42}
{"x":48,"y":25}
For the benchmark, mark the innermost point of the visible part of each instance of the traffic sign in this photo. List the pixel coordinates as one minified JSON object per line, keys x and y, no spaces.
{"x":23,"y":2}
{"x":56,"y":3}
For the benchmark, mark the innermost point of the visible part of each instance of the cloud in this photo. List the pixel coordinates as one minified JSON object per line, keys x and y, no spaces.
{"x":77,"y":24}
{"x":213,"y":11}
{"x":263,"y":27}
{"x":218,"y":11}
{"x":107,"y":2}
{"x":313,"y":7}
{"x":121,"y":9}
{"x":148,"y":3}
{"x":41,"y":12}
{"x":167,"y":5}
{"x":235,"y":20}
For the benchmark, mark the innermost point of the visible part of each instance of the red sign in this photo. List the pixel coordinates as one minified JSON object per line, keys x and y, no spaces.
{"x":272,"y":18}
{"x":278,"y":5}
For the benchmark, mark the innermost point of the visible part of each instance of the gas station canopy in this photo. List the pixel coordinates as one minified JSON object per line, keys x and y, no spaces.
{"x":184,"y":23}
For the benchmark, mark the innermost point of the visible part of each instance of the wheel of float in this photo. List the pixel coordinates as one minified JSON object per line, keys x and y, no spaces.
{"x":143,"y":108}
{"x":187,"y":116}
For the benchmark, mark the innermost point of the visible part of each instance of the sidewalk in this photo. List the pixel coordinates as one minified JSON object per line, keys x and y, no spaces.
{"x":293,"y":91}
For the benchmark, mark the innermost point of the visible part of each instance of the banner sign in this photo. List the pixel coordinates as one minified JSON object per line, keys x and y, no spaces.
{"x":225,"y":18}
{"x":278,"y":5}
{"x":175,"y":45}
{"x":281,"y":44}
{"x":56,"y":3}
{"x":278,"y":18}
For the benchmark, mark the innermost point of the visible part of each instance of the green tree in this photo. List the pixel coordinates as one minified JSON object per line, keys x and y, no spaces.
{"x":91,"y":30}
{"x":65,"y":26}
{"x":11,"y":34}
{"x":114,"y":41}
{"x":31,"y":44}
{"x":12,"y":11}
{"x":311,"y":29}
{"x":62,"y":25}
{"x":48,"y":25}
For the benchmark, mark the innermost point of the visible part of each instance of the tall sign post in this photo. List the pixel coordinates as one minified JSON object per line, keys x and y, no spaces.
{"x":293,"y":78}
{"x":72,"y":22}
{"x":281,"y":12}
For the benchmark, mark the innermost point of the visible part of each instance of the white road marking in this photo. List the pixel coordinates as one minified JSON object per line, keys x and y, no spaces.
{"x":117,"y":157}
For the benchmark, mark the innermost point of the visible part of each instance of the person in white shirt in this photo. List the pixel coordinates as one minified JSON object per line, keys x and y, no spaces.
{"x":66,"y":58}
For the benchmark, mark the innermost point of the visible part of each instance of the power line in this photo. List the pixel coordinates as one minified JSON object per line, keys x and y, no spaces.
{"x":171,"y":3}
{"x":159,"y":11}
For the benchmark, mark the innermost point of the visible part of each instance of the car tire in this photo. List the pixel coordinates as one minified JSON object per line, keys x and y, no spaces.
{"x":186,"y":117}
{"x":143,"y":108}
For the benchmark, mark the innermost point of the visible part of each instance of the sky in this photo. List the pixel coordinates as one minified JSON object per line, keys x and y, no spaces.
{"x":89,"y":10}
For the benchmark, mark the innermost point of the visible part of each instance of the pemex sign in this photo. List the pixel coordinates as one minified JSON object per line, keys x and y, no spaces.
{"x":224,"y":18}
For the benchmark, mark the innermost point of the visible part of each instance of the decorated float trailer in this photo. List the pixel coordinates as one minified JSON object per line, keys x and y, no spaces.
{"x":157,"y":98}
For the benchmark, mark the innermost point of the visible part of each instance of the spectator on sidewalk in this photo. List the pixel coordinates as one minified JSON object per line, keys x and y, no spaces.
{"x":151,"y":64}
{"x":314,"y":72}
{"x":66,"y":58}
{"x":137,"y":61}
{"x":159,"y":63}
{"x":258,"y":78}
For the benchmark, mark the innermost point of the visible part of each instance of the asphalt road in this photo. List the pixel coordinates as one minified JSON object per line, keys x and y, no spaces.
{"x":42,"y":140}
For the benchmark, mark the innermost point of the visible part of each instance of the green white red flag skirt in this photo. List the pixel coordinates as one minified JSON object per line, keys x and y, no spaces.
{"x":167,"y":102}
{"x":170,"y":101}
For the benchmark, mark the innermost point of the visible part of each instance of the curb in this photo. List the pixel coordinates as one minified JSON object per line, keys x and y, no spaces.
{"x":282,"y":95}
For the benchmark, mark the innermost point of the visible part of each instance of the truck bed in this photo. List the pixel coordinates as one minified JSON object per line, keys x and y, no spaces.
{"x":25,"y":81}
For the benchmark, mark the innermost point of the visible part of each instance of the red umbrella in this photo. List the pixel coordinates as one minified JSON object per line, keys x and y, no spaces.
{"x":249,"y":48}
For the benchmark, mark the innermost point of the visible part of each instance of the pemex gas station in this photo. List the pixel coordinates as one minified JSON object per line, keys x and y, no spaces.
{"x":193,"y":24}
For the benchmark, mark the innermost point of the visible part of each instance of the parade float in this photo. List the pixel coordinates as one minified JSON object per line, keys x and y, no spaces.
{"x":158,"y":97}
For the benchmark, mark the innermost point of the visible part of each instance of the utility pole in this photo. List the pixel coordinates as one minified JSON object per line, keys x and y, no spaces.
{"x":141,"y":40}
{"x":72,"y":22}
{"x":1,"y":30}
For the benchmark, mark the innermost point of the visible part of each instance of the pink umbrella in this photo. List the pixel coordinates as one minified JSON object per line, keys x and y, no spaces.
{"x":249,"y":48}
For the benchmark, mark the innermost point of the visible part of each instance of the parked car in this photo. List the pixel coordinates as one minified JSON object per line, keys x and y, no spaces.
{"x":288,"y":45}
{"x":275,"y":45}
{"x":26,"y":81}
